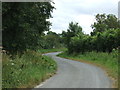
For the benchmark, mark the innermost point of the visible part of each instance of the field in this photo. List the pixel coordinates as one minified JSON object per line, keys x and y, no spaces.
{"x":51,"y":50}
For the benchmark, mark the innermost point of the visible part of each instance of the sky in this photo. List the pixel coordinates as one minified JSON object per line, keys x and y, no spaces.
{"x":81,"y":11}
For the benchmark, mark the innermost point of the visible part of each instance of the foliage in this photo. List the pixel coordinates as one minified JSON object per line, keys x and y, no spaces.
{"x":105,"y":22}
{"x":23,"y":23}
{"x":73,"y":30}
{"x":26,"y":71}
{"x":51,"y":40}
{"x":104,"y":39}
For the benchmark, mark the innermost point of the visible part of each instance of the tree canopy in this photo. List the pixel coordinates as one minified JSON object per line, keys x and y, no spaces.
{"x":105,"y":22}
{"x":104,"y":38}
{"x":23,"y":24}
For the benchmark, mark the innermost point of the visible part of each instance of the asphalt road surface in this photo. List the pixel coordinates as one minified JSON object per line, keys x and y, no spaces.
{"x":74,"y":74}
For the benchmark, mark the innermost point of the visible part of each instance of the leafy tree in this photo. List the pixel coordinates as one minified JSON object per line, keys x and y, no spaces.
{"x":104,"y":38}
{"x":112,"y":22}
{"x":99,"y":25}
{"x":105,"y":22}
{"x":73,"y":30}
{"x":23,"y":23}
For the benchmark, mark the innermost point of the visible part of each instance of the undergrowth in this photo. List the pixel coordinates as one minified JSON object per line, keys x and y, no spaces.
{"x":26,"y":71}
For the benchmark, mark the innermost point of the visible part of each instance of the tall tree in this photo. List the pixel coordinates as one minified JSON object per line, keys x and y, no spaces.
{"x":105,"y":22}
{"x":23,"y":23}
{"x":73,"y":30}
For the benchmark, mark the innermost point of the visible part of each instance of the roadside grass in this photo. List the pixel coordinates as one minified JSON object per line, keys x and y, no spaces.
{"x":107,"y":61}
{"x":26,"y":71}
{"x":52,"y":50}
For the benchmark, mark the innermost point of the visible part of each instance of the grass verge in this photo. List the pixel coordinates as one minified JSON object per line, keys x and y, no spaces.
{"x":51,"y":50}
{"x":26,"y":71}
{"x":107,"y":61}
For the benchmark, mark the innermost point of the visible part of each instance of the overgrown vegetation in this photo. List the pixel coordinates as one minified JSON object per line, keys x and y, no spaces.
{"x":23,"y":29}
{"x":26,"y":71}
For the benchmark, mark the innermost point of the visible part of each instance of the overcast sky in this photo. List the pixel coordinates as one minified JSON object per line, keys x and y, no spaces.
{"x":81,"y":11}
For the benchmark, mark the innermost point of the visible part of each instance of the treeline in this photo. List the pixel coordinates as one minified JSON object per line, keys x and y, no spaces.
{"x":23,"y":24}
{"x":104,"y":38}
{"x":51,"y":40}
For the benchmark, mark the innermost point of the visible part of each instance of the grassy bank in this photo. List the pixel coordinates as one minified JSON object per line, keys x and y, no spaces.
{"x":26,"y":71}
{"x":107,"y":61}
{"x":52,"y":50}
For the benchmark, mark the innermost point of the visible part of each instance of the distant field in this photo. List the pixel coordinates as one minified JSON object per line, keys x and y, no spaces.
{"x":51,"y":50}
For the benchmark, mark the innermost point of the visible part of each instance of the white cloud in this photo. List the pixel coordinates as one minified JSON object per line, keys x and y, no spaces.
{"x":81,"y":11}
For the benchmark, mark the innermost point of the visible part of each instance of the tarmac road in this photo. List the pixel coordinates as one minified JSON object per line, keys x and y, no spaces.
{"x":74,"y":74}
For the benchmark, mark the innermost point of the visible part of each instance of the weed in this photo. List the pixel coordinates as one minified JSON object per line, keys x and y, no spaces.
{"x":26,"y":71}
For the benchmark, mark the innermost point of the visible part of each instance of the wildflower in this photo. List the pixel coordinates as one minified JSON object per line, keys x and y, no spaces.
{"x":12,"y":64}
